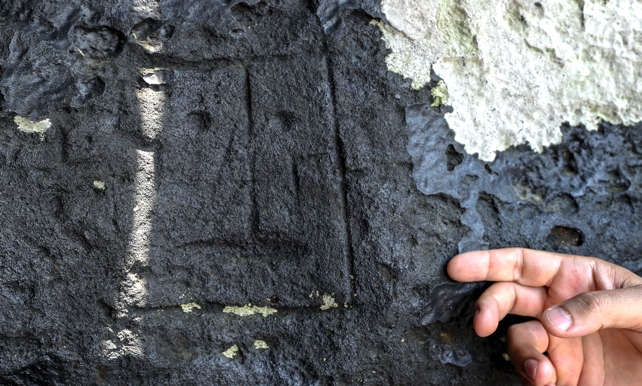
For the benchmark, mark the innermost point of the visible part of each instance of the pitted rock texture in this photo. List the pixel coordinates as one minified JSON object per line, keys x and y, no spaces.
{"x":332,"y":12}
{"x":562,"y":191}
{"x":239,"y":161}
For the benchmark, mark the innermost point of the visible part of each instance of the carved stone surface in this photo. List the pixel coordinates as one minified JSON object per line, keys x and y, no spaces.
{"x":242,"y":193}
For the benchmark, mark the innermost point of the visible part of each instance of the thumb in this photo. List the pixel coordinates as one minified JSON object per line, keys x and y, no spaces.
{"x":589,"y":312}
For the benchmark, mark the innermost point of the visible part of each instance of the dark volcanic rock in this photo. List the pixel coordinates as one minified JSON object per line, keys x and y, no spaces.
{"x":36,"y":76}
{"x":230,"y":195}
{"x":98,"y":44}
{"x":565,"y":194}
{"x":331,"y":13}
{"x":449,"y":300}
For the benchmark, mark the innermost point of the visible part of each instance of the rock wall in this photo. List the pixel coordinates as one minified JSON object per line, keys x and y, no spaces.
{"x":224,"y":193}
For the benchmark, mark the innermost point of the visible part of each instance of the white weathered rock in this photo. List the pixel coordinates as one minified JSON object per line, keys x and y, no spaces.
{"x":516,"y":70}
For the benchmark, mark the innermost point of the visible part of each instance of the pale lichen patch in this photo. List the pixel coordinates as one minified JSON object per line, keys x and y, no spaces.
{"x":231,"y":352}
{"x":260,"y":345}
{"x":28,"y":126}
{"x":454,"y":25}
{"x":328,"y":302}
{"x":249,"y":310}
{"x":100,"y":185}
{"x":189,"y":307}
{"x":517,"y":70}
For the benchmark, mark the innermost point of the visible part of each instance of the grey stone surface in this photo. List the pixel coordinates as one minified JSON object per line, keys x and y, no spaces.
{"x":220,"y":155}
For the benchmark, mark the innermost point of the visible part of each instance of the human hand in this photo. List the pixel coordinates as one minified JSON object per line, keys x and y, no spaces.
{"x":589,"y":314}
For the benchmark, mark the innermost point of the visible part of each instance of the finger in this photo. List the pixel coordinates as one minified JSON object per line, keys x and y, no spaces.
{"x":501,"y":299}
{"x":593,"y":368}
{"x":538,"y":268}
{"x":589,"y":312}
{"x":525,"y":266}
{"x":524,"y":381}
{"x":568,"y":357}
{"x":525,"y":344}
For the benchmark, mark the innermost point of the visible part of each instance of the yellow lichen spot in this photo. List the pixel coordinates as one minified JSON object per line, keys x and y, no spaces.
{"x":249,"y":310}
{"x":328,"y":302}
{"x":260,"y":345}
{"x":100,"y":185}
{"x":231,"y":352}
{"x":439,"y":94}
{"x":187,"y":308}
{"x":28,"y":126}
{"x":448,"y":338}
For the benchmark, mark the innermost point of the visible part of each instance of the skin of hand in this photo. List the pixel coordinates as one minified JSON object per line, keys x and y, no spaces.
{"x":589,"y":314}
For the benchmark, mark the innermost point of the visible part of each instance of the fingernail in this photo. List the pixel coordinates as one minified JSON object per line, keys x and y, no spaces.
{"x":559,"y":318}
{"x":530,"y":366}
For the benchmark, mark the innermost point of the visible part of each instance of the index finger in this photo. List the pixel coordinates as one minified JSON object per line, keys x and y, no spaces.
{"x":524,"y":266}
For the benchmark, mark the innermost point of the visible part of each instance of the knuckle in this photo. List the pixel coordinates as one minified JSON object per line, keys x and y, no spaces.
{"x":502,"y":289}
{"x":591,"y":304}
{"x":519,"y":264}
